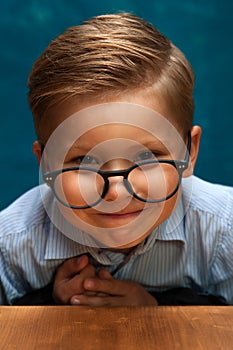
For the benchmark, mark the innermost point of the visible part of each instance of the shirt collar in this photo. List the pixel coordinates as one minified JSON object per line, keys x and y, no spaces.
{"x":60,"y":246}
{"x":173,"y":227}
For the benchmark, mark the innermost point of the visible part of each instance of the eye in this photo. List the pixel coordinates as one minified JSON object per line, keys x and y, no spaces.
{"x":145,"y":155}
{"x":86,"y":160}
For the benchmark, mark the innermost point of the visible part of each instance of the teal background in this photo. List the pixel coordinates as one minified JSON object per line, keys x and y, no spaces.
{"x":201,"y":29}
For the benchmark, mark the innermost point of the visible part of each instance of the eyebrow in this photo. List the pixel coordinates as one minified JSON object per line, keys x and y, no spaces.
{"x":86,"y":145}
{"x":153,"y":145}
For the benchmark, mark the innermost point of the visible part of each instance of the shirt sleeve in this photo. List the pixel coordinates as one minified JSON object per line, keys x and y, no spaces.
{"x":222,"y":267}
{"x":8,"y":282}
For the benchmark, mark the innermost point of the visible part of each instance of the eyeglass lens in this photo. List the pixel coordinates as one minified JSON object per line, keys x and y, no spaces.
{"x":151,"y":182}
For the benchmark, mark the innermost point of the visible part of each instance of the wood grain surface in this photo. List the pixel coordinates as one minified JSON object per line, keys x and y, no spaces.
{"x":69,"y":327}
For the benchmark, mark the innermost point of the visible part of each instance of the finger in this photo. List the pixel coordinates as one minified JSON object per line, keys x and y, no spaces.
{"x":74,"y":285}
{"x":87,"y":272}
{"x":109,"y":286}
{"x":143,"y":298}
{"x":104,"y":274}
{"x":71,"y":267}
{"x":74,"y":300}
{"x":64,"y":289}
{"x":98,"y":300}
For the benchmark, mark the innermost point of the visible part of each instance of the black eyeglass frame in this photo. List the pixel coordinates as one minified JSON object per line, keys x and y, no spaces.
{"x":180,"y":165}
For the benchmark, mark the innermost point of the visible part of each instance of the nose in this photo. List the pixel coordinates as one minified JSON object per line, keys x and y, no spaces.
{"x":116,"y":189}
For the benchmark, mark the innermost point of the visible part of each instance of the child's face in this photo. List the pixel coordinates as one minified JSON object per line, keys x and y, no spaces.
{"x":119,"y":220}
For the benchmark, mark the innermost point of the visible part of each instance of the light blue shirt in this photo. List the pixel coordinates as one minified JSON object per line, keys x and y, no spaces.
{"x":193,"y":248}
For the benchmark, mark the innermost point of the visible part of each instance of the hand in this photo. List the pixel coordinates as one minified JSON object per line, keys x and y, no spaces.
{"x":109,"y":291}
{"x":70,"y":278}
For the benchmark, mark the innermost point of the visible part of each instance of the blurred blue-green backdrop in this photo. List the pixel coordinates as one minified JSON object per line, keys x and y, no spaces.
{"x":201,"y":29}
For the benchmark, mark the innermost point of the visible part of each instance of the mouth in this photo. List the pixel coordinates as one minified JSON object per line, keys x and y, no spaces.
{"x":122,"y":215}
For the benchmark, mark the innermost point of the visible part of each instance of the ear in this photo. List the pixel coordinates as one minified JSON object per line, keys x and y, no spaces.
{"x":36,"y":149}
{"x":195,"y":143}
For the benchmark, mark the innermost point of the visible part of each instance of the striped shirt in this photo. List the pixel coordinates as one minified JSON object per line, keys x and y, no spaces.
{"x":193,"y":248}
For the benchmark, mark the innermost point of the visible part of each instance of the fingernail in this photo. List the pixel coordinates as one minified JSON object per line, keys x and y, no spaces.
{"x":75,"y":301}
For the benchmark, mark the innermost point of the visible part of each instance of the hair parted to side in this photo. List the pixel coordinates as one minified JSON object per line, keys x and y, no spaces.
{"x":109,"y":55}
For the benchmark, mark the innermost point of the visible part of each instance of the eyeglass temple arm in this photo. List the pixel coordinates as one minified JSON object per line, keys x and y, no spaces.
{"x":188,"y":146}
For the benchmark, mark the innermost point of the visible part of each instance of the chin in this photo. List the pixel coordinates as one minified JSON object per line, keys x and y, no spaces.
{"x":119,"y":238}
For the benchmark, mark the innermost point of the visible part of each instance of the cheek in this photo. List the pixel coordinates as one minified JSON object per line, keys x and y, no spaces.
{"x":79,"y":188}
{"x":168,"y":209}
{"x":68,"y":190}
{"x":77,"y":217}
{"x":154,"y":182}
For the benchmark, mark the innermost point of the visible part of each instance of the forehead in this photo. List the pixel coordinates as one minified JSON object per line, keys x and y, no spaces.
{"x":116,"y":140}
{"x":133,"y":107}
{"x":113,"y":121}
{"x":115,"y":131}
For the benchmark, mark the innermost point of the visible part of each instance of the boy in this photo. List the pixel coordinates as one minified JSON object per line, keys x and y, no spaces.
{"x":112,"y":101}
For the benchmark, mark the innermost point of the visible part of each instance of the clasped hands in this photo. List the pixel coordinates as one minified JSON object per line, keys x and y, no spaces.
{"x":78,"y":283}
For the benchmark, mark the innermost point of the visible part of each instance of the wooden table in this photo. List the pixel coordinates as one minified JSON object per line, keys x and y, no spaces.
{"x":121,"y":328}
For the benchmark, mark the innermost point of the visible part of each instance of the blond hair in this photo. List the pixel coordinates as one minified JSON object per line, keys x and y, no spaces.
{"x":111,"y":54}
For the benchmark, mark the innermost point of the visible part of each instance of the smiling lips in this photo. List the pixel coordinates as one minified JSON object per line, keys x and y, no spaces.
{"x":122,"y":215}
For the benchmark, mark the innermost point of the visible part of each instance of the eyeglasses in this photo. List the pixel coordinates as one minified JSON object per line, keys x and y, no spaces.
{"x":150,"y":181}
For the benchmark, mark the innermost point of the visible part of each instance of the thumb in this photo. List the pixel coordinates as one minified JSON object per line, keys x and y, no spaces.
{"x":71,"y":267}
